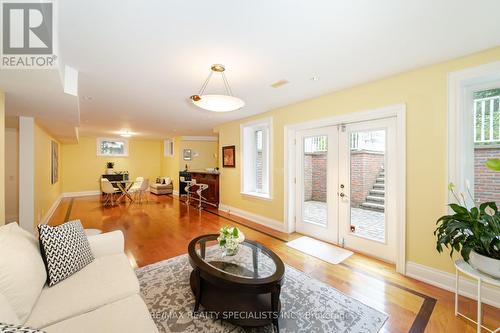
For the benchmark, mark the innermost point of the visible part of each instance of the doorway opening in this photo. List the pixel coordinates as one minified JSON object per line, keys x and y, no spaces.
{"x":347,"y":182}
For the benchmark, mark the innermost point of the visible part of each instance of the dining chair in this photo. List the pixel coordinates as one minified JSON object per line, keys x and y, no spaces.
{"x":142,"y":192}
{"x":109,"y":192}
{"x":134,"y":189}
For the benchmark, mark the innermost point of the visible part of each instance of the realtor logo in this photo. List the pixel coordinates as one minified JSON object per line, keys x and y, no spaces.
{"x":27,"y":35}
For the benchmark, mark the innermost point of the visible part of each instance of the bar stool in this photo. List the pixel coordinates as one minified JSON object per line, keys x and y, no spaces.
{"x":201,"y":188}
{"x":189,"y":184}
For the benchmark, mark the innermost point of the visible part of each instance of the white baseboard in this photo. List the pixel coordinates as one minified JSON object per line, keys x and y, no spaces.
{"x":79,"y":194}
{"x":175,"y":192}
{"x":265,"y":221}
{"x":445,"y":280}
{"x":45,"y":219}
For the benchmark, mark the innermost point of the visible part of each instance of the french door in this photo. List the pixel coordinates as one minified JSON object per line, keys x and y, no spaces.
{"x":317,"y":162}
{"x":345,"y":186}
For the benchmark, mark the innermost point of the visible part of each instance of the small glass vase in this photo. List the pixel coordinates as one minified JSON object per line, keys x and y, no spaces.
{"x":229,"y":252}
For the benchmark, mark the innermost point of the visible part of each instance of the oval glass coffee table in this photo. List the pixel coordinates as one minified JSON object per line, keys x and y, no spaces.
{"x":243,"y":289}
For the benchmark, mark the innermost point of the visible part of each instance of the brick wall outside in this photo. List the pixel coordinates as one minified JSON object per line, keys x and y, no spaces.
{"x":365,"y":168}
{"x":315,"y":165}
{"x":307,"y":177}
{"x":486,"y":181}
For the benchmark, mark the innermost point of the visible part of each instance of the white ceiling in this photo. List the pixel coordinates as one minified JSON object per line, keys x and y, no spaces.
{"x":139,"y":61}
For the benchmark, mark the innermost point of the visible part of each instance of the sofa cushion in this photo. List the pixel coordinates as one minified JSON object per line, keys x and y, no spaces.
{"x":126,"y":315}
{"x":105,"y":280}
{"x":65,"y":249}
{"x":7,"y":314}
{"x":22,"y":272}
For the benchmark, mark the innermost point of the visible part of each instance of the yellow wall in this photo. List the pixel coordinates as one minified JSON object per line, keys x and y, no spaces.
{"x":425,"y":93}
{"x":82,"y":168}
{"x":206,"y":152}
{"x":2,"y":161}
{"x":45,"y":192}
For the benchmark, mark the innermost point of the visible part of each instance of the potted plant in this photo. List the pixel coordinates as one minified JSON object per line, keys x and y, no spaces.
{"x":109,"y":168}
{"x":229,"y":240}
{"x":474,"y":232}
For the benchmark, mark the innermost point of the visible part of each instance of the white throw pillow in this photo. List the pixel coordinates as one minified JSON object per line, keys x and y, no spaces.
{"x":7,"y":314}
{"x":167,"y":180}
{"x":22,"y":272}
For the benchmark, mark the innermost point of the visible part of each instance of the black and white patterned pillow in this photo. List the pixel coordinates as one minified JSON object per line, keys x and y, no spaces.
{"x":65,"y":250}
{"x":8,"y":328}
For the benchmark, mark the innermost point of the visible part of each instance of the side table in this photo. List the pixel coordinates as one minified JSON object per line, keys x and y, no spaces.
{"x":462,"y":266}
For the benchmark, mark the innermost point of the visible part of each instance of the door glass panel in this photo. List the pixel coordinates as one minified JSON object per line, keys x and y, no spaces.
{"x":315,"y":180}
{"x":367,"y":184}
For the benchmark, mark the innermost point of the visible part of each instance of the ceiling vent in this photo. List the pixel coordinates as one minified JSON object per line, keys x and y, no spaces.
{"x":279,"y":83}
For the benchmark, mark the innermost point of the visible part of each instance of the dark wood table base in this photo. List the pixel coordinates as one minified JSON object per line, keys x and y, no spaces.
{"x":239,"y":308}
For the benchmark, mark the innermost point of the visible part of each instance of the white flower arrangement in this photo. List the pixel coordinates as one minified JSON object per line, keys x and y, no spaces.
{"x":229,"y":239}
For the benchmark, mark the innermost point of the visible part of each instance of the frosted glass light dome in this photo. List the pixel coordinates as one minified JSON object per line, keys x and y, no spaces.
{"x":218,"y":103}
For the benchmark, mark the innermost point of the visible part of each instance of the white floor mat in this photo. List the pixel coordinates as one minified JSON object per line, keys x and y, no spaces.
{"x":324,"y":251}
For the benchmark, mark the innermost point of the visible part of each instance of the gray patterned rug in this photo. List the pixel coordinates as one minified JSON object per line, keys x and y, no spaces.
{"x":308,"y":305}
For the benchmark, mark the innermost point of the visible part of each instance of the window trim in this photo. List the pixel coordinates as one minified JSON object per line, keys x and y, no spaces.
{"x":167,"y":152}
{"x":263,"y":123}
{"x":101,"y":139}
{"x":461,"y":86}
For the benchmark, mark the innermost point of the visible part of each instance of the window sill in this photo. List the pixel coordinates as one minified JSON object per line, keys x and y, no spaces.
{"x":257,"y":195}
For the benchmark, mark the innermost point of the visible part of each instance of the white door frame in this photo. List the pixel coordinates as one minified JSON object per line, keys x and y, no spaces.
{"x":398,"y":111}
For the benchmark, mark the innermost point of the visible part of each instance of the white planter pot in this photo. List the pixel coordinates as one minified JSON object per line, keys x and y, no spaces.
{"x":485,"y":264}
{"x":110,"y":171}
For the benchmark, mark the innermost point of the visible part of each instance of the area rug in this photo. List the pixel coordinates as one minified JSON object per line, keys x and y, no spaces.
{"x":308,"y":305}
{"x":321,"y":250}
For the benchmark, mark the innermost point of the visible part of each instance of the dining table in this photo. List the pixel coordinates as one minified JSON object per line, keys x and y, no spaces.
{"x":124,"y":187}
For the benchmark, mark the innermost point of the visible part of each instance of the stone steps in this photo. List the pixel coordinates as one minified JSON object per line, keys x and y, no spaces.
{"x":375,"y":200}
{"x":377,"y":192}
{"x":373,"y":206}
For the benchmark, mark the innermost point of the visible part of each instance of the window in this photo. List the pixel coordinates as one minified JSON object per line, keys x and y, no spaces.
{"x":256,"y":158}
{"x":112,"y":147}
{"x":474,"y":130}
{"x":169,"y":148}
{"x":486,"y":126}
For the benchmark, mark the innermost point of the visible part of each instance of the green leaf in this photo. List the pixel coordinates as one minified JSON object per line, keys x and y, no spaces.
{"x":493,"y":164}
{"x":459,"y":209}
{"x":235,"y":232}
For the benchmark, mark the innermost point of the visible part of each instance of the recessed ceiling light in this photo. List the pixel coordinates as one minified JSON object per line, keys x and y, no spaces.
{"x":314,"y":78}
{"x":279,"y":83}
{"x":87,"y":98}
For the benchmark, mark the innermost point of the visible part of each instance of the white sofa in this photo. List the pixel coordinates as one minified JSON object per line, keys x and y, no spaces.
{"x":102,"y":297}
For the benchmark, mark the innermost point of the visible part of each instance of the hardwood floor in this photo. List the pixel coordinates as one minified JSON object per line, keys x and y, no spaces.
{"x":163,"y":227}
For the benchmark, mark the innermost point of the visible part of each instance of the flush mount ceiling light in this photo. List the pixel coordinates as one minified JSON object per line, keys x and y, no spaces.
{"x":217,"y":103}
{"x":125,"y":134}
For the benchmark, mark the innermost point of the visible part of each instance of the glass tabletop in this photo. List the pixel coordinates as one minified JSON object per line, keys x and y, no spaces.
{"x":250,"y":261}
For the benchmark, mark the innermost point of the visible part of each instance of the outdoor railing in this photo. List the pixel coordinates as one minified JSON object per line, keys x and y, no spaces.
{"x":487,"y":120}
{"x":315,"y":144}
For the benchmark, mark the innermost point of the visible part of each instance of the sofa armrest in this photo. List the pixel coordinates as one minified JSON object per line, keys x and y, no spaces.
{"x":106,"y":244}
